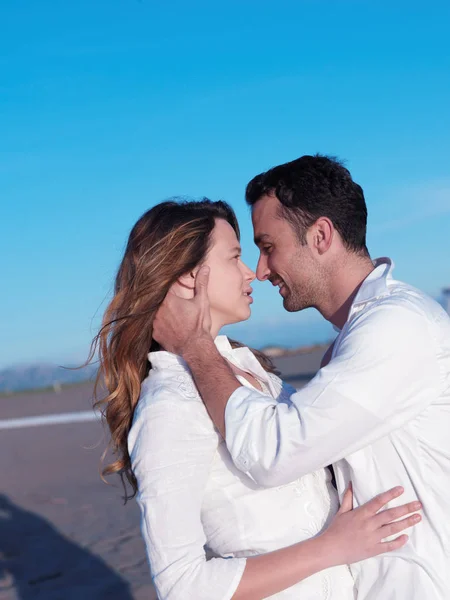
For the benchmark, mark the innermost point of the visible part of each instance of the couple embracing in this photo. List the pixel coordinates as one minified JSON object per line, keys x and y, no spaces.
{"x":223,"y":454}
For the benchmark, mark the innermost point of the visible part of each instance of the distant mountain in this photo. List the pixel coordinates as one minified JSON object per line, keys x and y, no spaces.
{"x":27,"y":377}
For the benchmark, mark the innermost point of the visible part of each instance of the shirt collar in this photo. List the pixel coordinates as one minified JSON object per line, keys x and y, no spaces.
{"x":223,"y":344}
{"x":242,"y":357}
{"x":161,"y":359}
{"x":374,"y":286}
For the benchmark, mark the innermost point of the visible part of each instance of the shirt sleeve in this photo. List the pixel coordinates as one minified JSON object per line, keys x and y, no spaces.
{"x":172,"y":444}
{"x":384,"y":374}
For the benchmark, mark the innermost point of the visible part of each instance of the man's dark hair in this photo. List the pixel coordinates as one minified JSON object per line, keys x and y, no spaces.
{"x":316,"y":186}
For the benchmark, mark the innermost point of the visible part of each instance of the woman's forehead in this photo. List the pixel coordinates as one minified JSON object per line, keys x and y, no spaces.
{"x":224,"y":234}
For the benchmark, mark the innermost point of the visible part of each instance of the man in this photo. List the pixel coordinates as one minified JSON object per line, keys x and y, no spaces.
{"x":379,"y":411}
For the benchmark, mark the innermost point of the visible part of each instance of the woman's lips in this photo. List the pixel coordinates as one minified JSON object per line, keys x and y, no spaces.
{"x":248,"y":295}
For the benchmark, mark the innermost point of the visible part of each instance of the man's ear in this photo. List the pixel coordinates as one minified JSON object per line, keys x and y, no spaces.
{"x":322,"y":232}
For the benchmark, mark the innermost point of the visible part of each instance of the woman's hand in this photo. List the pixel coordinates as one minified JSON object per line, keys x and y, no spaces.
{"x":357,"y":534}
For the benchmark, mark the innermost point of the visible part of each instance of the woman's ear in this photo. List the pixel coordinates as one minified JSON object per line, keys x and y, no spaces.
{"x":185,"y":285}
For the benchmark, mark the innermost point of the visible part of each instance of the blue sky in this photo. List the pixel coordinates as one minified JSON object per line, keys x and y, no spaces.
{"x":109,"y":107}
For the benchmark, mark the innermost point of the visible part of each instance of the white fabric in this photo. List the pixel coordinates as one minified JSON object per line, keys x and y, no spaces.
{"x":380,"y":412}
{"x":191,"y":494}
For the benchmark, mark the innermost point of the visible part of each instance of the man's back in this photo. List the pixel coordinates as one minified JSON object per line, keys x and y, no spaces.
{"x":417,"y":456}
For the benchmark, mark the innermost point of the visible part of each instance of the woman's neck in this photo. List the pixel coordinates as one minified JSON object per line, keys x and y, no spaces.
{"x":216,"y":326}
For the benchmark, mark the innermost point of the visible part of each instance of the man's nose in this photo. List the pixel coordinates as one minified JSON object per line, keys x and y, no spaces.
{"x":262,"y":269}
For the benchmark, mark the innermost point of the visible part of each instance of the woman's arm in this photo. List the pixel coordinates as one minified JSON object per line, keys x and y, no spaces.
{"x":172,"y":444}
{"x":354,"y":535}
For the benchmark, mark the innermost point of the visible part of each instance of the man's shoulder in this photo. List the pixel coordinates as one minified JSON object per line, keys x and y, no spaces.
{"x":397,"y":308}
{"x":409,"y":298}
{"x":403,"y":298}
{"x":403,"y":312}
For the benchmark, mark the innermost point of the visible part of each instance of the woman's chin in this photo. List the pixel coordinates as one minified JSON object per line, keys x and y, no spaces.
{"x":246,"y":314}
{"x":243,"y":315}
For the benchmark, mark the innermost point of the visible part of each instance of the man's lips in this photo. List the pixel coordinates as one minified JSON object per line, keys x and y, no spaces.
{"x":278,"y":283}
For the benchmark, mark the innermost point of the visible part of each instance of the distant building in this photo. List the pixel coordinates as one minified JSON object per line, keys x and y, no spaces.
{"x":446,"y":297}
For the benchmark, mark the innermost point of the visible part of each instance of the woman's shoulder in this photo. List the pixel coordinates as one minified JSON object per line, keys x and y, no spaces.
{"x":168,"y":375}
{"x":176,"y":384}
{"x":168,"y":418}
{"x":168,"y":393}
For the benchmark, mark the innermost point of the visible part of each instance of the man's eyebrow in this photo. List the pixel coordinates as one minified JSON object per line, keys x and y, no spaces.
{"x":260,"y":238}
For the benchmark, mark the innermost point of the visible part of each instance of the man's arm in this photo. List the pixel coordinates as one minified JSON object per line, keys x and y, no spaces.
{"x":184,"y":327}
{"x":384,"y":374}
{"x":213,"y":377}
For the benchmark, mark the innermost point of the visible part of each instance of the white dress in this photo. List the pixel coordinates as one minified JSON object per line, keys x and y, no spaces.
{"x":191,"y":495}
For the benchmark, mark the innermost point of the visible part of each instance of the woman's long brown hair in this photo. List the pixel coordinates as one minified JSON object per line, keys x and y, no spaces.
{"x":167,"y":242}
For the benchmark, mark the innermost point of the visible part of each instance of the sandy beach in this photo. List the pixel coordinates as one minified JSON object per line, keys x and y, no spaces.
{"x":64,"y":533}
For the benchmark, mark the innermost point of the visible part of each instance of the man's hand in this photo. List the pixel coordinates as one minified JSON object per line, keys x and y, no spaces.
{"x":180,"y":322}
{"x":184,"y":327}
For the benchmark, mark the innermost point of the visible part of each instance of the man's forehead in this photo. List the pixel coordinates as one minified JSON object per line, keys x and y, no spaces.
{"x":265,"y":217}
{"x":266,"y":205}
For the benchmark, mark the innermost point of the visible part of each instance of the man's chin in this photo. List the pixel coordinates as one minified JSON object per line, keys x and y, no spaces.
{"x":289,"y":307}
{"x":292,"y":306}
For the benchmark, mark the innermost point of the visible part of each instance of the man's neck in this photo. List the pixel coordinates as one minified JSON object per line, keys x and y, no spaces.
{"x":343,"y":288}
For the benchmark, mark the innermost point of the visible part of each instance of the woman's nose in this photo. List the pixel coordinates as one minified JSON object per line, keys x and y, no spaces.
{"x":251,"y":275}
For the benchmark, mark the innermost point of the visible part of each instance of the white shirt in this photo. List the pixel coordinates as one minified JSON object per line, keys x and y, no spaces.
{"x":380,"y":412}
{"x":191,"y":494}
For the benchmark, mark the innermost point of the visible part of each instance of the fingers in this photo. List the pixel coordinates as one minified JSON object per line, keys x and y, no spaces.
{"x":377,"y":503}
{"x":201,"y":282}
{"x":392,"y":514}
{"x":347,"y":500}
{"x":393,"y":544}
{"x":397,"y":526}
{"x":172,"y":292}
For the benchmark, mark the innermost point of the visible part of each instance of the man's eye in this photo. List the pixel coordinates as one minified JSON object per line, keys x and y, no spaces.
{"x":266,"y":249}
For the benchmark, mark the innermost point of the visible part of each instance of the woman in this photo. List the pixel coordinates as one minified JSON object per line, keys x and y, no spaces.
{"x":285,"y":542}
